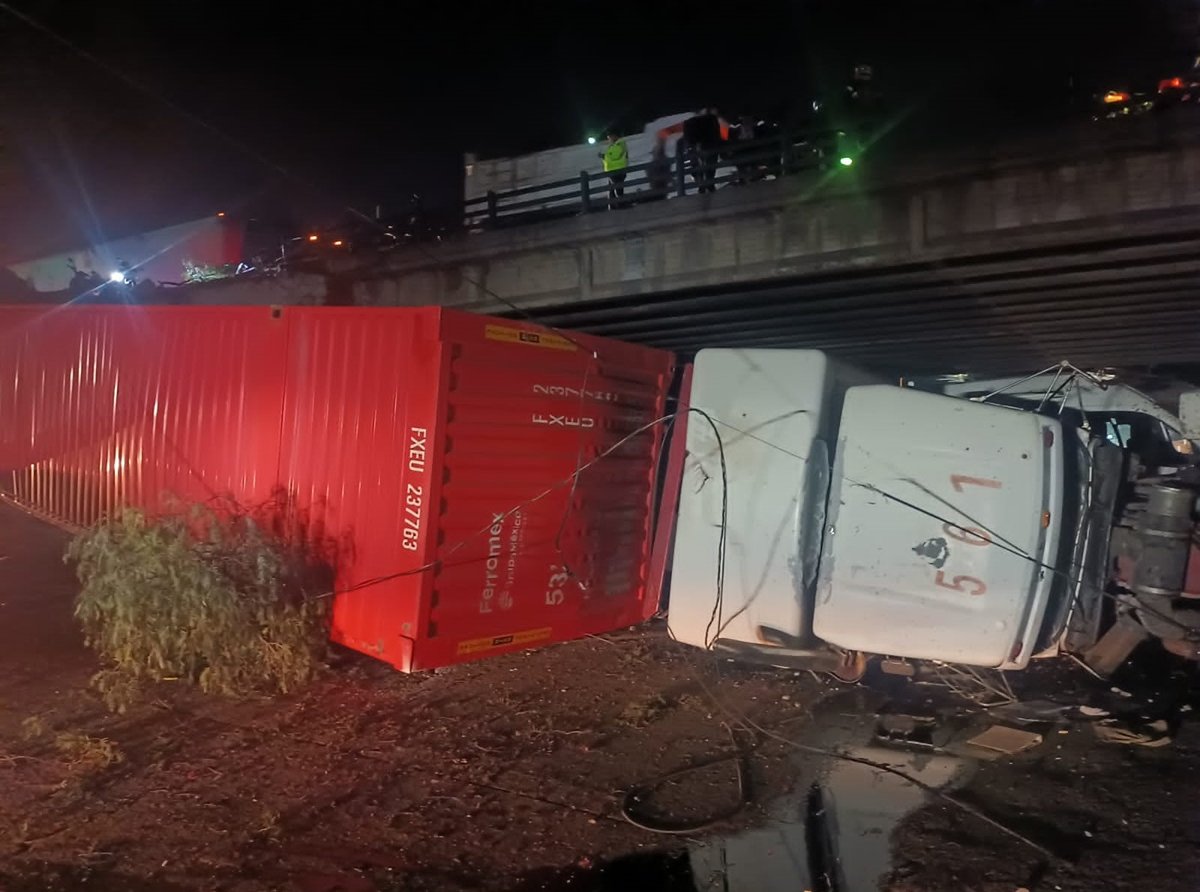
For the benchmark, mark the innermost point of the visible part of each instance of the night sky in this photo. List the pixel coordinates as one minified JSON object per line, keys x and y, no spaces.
{"x":306,"y":108}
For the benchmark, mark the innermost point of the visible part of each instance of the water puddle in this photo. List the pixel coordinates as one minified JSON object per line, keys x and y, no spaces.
{"x":832,"y":833}
{"x":835,"y":838}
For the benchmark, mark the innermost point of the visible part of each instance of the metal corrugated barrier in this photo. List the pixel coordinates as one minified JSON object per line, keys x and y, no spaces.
{"x":1125,"y":302}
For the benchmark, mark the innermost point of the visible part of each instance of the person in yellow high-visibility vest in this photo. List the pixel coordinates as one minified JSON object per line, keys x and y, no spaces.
{"x":616,"y":159}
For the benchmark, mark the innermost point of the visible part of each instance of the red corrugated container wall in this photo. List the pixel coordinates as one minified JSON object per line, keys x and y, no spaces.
{"x":106,"y":406}
{"x":428,"y":452}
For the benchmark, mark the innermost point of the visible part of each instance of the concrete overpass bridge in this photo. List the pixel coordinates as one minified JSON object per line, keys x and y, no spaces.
{"x":1084,"y":243}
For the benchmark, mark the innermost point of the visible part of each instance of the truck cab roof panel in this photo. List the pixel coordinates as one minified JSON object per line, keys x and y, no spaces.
{"x":774,"y":412}
{"x":942,"y":528}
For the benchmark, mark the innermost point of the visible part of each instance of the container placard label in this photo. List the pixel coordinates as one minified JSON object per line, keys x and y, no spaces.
{"x":508,"y":335}
{"x":516,"y":639}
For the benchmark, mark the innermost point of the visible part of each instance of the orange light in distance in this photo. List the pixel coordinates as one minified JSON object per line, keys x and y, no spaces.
{"x":338,"y":243}
{"x":1114,"y":96}
{"x":312,"y":238}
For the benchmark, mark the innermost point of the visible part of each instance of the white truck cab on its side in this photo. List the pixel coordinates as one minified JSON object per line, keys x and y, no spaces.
{"x":857,"y":517}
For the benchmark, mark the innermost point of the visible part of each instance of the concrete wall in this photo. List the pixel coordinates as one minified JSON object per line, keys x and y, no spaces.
{"x":805,"y":225}
{"x":294,"y":289}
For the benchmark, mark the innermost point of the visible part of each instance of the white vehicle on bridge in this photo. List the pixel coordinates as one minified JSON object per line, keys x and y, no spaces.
{"x":825,"y":517}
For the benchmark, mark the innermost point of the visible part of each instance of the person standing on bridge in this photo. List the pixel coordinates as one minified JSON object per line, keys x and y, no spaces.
{"x":616,"y":159}
{"x":658,"y":171}
{"x":747,"y":169}
{"x":703,"y":135}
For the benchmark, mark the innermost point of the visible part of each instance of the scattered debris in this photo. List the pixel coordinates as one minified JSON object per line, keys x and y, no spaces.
{"x":642,"y":712}
{"x":87,"y":753}
{"x":1005,"y":740}
{"x":1031,"y":711}
{"x":1112,"y":650}
{"x":985,"y":688}
{"x":1153,"y":734}
{"x":906,"y":730}
{"x":897,"y":666}
{"x":34,"y":727}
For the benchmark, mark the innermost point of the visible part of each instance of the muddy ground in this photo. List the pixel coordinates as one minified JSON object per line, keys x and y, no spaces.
{"x":1113,"y":817}
{"x":506,"y":774}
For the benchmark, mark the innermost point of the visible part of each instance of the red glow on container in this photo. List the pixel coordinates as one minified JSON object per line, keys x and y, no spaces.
{"x":433,"y":450}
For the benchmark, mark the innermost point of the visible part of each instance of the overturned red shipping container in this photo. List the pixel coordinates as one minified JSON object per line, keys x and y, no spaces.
{"x":435,"y":450}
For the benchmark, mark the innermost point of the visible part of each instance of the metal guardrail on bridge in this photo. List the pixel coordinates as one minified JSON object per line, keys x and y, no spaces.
{"x":686,"y":171}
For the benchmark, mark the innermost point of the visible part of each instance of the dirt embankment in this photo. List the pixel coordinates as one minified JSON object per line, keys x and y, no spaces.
{"x":484,"y":776}
{"x":506,"y":774}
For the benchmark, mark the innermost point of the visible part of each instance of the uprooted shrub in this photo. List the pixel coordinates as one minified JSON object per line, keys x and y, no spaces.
{"x":206,"y":597}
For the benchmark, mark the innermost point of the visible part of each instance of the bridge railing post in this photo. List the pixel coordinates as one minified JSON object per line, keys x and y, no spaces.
{"x":491,"y":206}
{"x":585,"y":191}
{"x":680,"y":169}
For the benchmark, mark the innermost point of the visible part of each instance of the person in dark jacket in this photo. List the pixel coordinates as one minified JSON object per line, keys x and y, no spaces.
{"x":744,"y":133}
{"x":702,"y":134}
